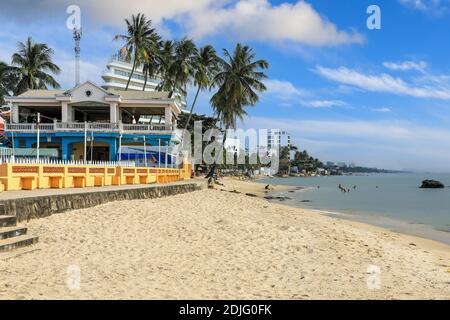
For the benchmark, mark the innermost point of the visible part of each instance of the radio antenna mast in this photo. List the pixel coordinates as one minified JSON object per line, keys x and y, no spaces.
{"x":77,"y":38}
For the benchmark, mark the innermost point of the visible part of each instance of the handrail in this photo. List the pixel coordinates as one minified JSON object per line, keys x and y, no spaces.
{"x":89,"y":126}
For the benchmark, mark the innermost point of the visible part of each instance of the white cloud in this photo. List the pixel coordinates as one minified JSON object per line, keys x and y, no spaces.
{"x":406,"y":66}
{"x":384,"y":83}
{"x":284,"y":90}
{"x":111,"y":12}
{"x":435,"y":6}
{"x":382,"y":110}
{"x":259,"y":20}
{"x":88,"y":71}
{"x":324,"y":103}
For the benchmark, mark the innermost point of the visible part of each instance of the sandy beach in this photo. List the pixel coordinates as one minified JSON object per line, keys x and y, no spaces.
{"x":217,"y":244}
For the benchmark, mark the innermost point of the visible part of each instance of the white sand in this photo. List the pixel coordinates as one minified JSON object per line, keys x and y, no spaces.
{"x":216,"y":244}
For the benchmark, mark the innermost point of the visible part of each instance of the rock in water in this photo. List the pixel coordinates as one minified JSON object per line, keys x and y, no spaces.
{"x":432,"y":184}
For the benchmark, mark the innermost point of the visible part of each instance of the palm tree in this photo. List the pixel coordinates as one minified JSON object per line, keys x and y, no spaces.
{"x":140,"y":36}
{"x":6,"y":74}
{"x":151,"y":61}
{"x":181,"y":68}
{"x":239,"y":82}
{"x":206,"y":66}
{"x":166,"y":57}
{"x":32,"y":64}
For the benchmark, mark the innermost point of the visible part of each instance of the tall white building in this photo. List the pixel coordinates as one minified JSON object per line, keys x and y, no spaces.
{"x":282,"y":138}
{"x":118,"y":71}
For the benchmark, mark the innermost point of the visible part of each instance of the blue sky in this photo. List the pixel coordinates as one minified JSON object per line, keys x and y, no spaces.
{"x":346,"y":93}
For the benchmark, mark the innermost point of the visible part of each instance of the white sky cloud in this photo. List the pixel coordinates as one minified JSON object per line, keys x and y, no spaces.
{"x":259,"y":20}
{"x":324,"y":103}
{"x":406,"y":66}
{"x":435,"y":6}
{"x":382,"y":110}
{"x":283,"y":89}
{"x":383,"y":83}
{"x":89,"y":70}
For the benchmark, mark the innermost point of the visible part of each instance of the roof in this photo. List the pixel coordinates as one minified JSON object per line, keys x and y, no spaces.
{"x":41,"y":93}
{"x":141,"y":94}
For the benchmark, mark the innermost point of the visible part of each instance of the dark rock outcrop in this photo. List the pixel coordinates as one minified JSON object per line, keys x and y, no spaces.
{"x":432,"y":184}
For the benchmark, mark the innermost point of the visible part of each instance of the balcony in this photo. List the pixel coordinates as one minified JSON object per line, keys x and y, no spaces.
{"x":88,"y":126}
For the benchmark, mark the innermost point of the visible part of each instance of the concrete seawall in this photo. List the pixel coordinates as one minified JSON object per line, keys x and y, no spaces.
{"x":26,"y":208}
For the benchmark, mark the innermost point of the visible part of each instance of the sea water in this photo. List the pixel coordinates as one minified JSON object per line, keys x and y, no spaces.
{"x":393,"y":201}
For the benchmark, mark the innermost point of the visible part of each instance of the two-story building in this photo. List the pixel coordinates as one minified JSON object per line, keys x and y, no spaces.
{"x":89,"y":122}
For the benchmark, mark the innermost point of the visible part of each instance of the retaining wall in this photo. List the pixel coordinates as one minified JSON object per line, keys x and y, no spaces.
{"x":43,"y":206}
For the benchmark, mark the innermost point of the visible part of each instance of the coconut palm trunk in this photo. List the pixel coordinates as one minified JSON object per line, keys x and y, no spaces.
{"x":211,"y":176}
{"x":145,"y":81}
{"x":131,"y":74}
{"x":192,"y":109}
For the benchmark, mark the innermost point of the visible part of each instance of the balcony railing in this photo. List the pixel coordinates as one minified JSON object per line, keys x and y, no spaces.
{"x":87,"y":126}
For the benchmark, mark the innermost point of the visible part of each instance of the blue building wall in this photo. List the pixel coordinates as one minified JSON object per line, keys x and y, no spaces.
{"x":66,"y":140}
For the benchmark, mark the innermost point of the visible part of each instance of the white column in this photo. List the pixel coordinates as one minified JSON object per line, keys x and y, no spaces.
{"x":65,"y":112}
{"x":168,"y":118}
{"x":113,"y":113}
{"x":14,"y":113}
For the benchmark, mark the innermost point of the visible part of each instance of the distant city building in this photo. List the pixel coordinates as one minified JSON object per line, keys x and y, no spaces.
{"x":280,"y":138}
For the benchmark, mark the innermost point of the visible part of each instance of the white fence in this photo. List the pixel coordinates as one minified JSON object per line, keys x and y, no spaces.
{"x":13,"y":160}
{"x":86,"y":126}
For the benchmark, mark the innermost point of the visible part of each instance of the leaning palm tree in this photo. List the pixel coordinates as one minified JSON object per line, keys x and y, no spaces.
{"x":166,"y":57}
{"x":239,"y":82}
{"x":205,"y":66}
{"x":151,"y":60}
{"x":33,"y":65}
{"x":140,"y":36}
{"x":182,"y":66}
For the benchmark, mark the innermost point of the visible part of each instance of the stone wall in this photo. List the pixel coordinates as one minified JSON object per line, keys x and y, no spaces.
{"x":38,"y":207}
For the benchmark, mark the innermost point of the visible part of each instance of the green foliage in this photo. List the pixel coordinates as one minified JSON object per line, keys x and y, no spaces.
{"x":239,"y":81}
{"x":303,"y":160}
{"x":7,"y":77}
{"x":32,"y":67}
{"x":141,"y":43}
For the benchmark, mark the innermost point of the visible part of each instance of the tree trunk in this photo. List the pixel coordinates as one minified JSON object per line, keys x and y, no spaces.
{"x":211,"y":173}
{"x":174,"y":86}
{"x":192,"y":109}
{"x":145,"y":82}
{"x":131,"y":74}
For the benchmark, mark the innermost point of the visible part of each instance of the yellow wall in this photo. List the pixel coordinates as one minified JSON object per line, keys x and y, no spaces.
{"x":44,"y":176}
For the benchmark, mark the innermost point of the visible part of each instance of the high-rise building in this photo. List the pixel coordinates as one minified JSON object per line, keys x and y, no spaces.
{"x":282,"y":138}
{"x":118,"y":72}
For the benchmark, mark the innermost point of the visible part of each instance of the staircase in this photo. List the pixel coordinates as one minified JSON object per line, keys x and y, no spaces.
{"x":12,"y":236}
